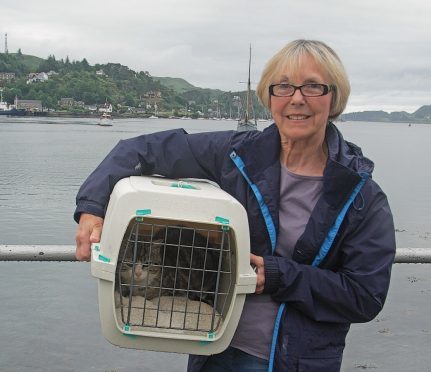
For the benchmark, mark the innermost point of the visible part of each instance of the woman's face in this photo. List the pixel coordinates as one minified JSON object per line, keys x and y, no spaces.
{"x":299,"y":117}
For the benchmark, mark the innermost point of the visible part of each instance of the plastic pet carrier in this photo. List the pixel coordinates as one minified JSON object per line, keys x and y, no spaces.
{"x":173,"y":266}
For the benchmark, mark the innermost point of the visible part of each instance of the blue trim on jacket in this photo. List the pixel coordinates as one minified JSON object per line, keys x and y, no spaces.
{"x":263,"y":207}
{"x":327,"y":244}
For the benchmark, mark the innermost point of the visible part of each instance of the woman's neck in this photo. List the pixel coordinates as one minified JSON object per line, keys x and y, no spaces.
{"x":307,"y":159}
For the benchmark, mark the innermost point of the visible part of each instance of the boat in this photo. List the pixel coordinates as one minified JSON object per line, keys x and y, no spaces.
{"x":13,"y":112}
{"x":245,"y":123}
{"x":9,"y":110}
{"x":105,"y":120}
{"x":153,"y":117}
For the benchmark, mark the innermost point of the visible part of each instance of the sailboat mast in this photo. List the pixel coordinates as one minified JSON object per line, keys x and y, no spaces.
{"x":245,"y":124}
{"x":247,"y":112}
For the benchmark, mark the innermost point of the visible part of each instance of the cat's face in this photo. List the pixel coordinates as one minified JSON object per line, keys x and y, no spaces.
{"x":144,"y":267}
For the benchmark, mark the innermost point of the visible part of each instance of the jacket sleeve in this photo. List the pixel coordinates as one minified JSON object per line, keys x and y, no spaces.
{"x":173,"y":154}
{"x":353,"y":292}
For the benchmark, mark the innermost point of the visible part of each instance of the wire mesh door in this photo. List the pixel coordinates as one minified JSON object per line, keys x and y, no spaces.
{"x":174,"y":278}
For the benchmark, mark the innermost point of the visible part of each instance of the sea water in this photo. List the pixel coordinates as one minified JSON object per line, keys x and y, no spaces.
{"x":49,"y":311}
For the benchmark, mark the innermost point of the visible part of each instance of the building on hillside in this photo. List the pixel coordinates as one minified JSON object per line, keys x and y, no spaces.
{"x":28,"y":105}
{"x":70,"y":102}
{"x":151,"y":94}
{"x":106,"y":107}
{"x":36,"y":77}
{"x":66,"y":102}
{"x":151,"y":100}
{"x":140,"y":110}
{"x":6,"y":76}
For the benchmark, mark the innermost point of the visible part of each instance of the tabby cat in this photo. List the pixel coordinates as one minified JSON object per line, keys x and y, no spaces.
{"x":166,"y":265}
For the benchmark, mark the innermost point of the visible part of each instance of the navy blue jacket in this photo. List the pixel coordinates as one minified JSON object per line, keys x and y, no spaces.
{"x":350,"y":230}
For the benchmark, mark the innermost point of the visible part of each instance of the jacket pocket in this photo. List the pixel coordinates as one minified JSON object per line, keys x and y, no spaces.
{"x":329,"y":364}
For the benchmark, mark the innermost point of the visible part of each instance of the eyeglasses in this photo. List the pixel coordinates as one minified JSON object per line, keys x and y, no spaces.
{"x":307,"y":90}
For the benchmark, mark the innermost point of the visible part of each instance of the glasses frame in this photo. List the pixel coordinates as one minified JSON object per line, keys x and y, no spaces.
{"x":326,"y":89}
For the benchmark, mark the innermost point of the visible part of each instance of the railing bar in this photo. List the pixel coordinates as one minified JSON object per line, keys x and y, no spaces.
{"x":10,"y":252}
{"x":37,"y":253}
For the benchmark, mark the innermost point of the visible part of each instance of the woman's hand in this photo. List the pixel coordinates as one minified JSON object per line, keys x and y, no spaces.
{"x":259,"y":268}
{"x":89,"y":231}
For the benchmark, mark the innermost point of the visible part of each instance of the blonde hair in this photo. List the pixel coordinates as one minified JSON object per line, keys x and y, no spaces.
{"x":289,"y":59}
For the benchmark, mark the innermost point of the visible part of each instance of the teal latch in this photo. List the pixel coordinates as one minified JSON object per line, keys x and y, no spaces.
{"x":127,"y":328}
{"x":183,"y":185}
{"x":103,"y":258}
{"x":222,"y":220}
{"x":143,"y":212}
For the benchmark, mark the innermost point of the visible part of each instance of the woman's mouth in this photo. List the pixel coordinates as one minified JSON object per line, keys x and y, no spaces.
{"x":297,"y":117}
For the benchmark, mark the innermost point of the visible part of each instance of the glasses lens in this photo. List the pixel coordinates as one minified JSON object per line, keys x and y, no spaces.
{"x":313,"y":90}
{"x":283,"y":90}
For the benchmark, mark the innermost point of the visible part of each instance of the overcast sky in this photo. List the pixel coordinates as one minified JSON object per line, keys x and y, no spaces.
{"x":385,"y":44}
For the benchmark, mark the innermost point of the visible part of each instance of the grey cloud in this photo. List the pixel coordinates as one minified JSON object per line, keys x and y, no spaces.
{"x":384,"y":45}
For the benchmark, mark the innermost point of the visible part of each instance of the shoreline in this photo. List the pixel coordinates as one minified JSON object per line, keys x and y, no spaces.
{"x":114,"y":115}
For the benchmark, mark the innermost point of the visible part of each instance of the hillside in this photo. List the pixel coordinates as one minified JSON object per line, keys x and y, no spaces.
{"x":130,"y":91}
{"x":423,"y":112}
{"x":30,"y":62}
{"x":19,"y":63}
{"x":86,"y":85}
{"x":422,"y":115}
{"x":178,"y":85}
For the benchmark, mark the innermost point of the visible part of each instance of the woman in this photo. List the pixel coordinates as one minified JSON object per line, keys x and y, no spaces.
{"x":321,"y":231}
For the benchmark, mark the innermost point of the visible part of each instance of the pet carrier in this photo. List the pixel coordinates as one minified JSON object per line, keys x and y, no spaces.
{"x":173,"y":266}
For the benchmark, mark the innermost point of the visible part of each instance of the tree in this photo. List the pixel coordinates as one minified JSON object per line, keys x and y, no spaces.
{"x":85,"y":65}
{"x":49,"y":64}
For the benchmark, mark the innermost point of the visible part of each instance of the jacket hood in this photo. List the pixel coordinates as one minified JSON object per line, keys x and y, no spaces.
{"x":346,"y":153}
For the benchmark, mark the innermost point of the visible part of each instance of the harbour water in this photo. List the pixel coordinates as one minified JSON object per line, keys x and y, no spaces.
{"x":49,"y":311}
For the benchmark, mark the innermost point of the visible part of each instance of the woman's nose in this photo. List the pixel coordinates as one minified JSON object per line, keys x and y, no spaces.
{"x":297,"y":97}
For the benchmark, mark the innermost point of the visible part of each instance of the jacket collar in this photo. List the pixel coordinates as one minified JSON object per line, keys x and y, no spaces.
{"x":260,"y":152}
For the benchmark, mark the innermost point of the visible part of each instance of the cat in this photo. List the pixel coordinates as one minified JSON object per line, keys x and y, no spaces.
{"x":167,"y":265}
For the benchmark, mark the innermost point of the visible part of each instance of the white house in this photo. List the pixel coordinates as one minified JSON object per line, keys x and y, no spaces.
{"x":106,"y":107}
{"x":37,"y":77}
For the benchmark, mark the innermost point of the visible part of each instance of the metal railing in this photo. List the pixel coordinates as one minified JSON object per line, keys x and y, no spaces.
{"x":67,"y":253}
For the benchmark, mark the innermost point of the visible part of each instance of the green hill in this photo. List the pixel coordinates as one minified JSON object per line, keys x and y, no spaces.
{"x":125,"y":88}
{"x":422,"y":115}
{"x":423,"y":112}
{"x":19,"y":63}
{"x":178,"y":85}
{"x":30,"y":62}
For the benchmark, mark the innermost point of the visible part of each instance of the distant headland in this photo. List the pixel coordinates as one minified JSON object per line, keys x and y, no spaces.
{"x":421,"y":115}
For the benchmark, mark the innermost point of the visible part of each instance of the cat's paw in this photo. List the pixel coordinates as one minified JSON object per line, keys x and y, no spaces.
{"x":120,"y":300}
